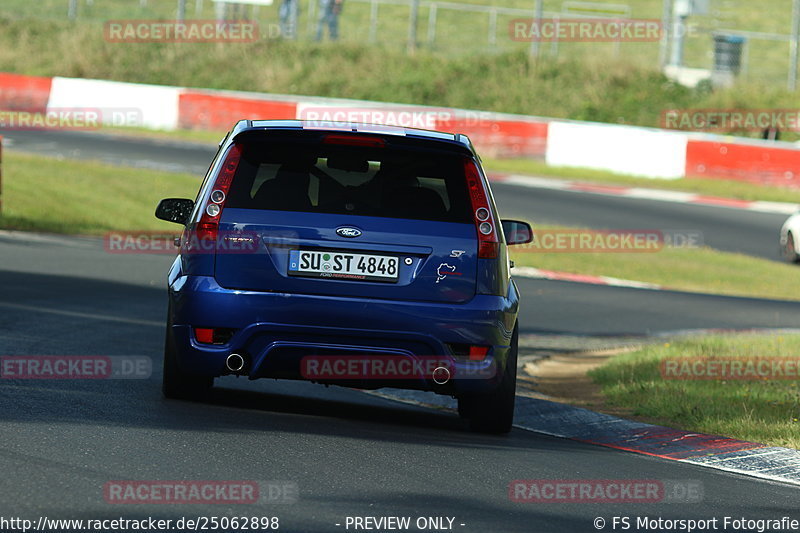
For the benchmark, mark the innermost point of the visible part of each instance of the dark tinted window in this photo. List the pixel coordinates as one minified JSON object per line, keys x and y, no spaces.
{"x":351,"y":180}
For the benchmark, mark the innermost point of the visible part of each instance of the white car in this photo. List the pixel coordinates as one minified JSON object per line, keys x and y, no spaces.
{"x":790,"y":239}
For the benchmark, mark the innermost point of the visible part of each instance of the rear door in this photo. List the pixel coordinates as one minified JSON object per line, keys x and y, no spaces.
{"x":342,"y":216}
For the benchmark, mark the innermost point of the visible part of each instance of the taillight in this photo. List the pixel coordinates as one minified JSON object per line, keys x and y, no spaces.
{"x":208,"y":226}
{"x":488,"y":243}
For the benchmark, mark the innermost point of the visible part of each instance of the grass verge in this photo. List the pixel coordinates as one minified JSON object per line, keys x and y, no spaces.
{"x":210,"y":137}
{"x":56,"y":196}
{"x":764,"y":410}
{"x":687,"y":269}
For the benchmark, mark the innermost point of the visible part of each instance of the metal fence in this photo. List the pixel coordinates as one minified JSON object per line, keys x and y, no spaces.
{"x":715,"y":40}
{"x":733,"y":38}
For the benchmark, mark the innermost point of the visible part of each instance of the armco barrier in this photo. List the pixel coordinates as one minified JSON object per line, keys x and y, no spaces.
{"x":631,"y":150}
{"x":757,"y":162}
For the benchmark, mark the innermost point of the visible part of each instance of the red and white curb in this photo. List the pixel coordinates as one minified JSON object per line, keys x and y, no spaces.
{"x":582,"y":425}
{"x":536,"y":273}
{"x":536,"y":182}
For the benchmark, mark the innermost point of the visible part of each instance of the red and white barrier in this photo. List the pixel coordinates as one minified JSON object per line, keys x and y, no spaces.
{"x":648,"y":152}
{"x":622,"y":149}
{"x":213,"y":110}
{"x":27,"y":93}
{"x":155,"y":106}
{"x":764,"y":162}
{"x":496,"y":136}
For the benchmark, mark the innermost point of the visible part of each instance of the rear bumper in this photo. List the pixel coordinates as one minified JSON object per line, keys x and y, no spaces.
{"x":275,"y":331}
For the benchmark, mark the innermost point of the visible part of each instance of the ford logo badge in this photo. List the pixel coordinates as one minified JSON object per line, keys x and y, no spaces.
{"x":348,"y":232}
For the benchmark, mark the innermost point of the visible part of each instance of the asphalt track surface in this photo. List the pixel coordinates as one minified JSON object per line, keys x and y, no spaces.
{"x":349,"y":453}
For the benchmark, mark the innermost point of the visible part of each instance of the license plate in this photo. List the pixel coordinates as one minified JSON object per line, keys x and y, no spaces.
{"x":342,"y":265}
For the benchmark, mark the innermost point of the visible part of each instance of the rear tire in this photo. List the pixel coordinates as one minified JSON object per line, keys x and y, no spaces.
{"x":789,"y":250}
{"x":177,"y":384}
{"x":493,"y":412}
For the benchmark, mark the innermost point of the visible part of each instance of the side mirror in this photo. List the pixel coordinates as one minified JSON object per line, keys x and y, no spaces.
{"x":517,"y":232}
{"x":176,"y":210}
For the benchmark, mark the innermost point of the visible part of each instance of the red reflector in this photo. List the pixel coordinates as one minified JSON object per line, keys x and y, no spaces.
{"x":354,"y":140}
{"x":478,"y":353}
{"x":207,"y":231}
{"x":489,"y":250}
{"x":204,"y":335}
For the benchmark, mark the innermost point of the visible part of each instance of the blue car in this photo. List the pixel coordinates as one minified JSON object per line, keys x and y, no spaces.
{"x":359,"y":255}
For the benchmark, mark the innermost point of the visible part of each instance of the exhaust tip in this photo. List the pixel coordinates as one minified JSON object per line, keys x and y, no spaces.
{"x":234,"y":362}
{"x":441,"y":375}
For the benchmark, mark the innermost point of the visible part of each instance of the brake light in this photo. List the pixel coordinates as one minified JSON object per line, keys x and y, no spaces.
{"x":208,"y":226}
{"x":354,"y":140}
{"x":488,"y":243}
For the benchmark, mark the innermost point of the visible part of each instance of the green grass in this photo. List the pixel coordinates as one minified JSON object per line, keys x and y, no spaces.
{"x":694,"y":270}
{"x":765,"y":410}
{"x":468,"y":33}
{"x":84,"y":197}
{"x":191,"y":136}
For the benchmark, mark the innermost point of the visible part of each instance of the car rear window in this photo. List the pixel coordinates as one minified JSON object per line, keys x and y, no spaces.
{"x":352,"y":180}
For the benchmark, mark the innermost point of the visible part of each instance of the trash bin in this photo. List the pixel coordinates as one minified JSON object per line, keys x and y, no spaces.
{"x":727,"y":58}
{"x":728,"y":53}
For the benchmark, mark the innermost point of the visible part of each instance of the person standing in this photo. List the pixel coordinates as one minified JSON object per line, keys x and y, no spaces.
{"x":329,"y":11}
{"x":289,"y":12}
